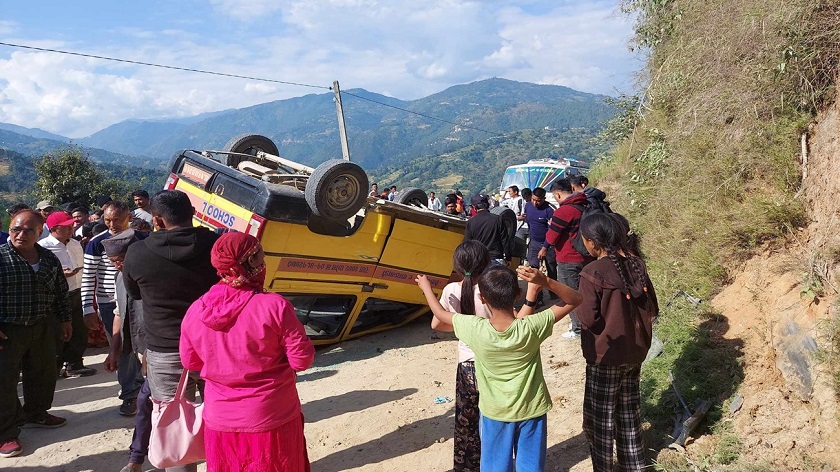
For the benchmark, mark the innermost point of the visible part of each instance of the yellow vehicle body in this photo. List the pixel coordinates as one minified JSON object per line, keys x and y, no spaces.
{"x":342,"y":286}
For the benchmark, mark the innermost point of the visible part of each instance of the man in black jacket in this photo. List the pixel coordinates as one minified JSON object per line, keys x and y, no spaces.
{"x":168,"y":271}
{"x":488,"y":229}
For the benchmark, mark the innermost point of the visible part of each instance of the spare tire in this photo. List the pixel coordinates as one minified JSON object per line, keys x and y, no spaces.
{"x":337,"y":189}
{"x":413,"y":196}
{"x":250,"y":144}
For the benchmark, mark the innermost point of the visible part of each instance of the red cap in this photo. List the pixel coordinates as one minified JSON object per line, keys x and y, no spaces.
{"x":59,"y":218}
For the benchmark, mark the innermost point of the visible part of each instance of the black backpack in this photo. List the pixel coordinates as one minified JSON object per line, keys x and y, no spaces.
{"x":593,"y":205}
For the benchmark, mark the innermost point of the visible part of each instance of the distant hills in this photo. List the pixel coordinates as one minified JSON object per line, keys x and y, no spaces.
{"x":33,"y":132}
{"x":35,"y":147}
{"x":387,"y":136}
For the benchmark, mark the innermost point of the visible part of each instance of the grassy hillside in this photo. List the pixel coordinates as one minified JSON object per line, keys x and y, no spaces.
{"x":709,"y":173}
{"x":479,"y":167}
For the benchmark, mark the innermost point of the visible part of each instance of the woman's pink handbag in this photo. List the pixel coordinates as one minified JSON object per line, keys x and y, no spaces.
{"x":177,"y":430}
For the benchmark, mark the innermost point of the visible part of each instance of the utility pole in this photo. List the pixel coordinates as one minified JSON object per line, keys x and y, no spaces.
{"x":342,"y":131}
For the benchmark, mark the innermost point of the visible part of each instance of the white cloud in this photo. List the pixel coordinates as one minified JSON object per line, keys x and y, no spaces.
{"x":406,"y":49}
{"x":7,"y":27}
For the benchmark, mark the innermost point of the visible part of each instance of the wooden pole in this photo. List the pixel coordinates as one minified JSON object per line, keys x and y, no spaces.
{"x":342,"y":131}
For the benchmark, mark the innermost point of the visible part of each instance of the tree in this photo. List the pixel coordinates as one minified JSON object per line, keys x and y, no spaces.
{"x":68,"y":175}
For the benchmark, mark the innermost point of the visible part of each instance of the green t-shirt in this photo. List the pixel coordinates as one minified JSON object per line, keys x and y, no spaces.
{"x":508,"y":367}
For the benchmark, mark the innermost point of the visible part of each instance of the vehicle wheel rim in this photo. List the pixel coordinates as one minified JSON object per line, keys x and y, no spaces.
{"x":342,"y":192}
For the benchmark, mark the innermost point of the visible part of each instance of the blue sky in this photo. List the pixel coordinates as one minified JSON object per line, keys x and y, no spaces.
{"x":401,"y":48}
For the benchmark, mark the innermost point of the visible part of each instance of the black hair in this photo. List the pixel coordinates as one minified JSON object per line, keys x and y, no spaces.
{"x":514,"y":188}
{"x":539,"y":192}
{"x":87,"y":229}
{"x":471,"y":259}
{"x":98,"y":228}
{"x":577,"y":180}
{"x":458,"y":193}
{"x":606,"y":232}
{"x":561,"y":185}
{"x":17,"y":207}
{"x":140,"y":193}
{"x":102,"y":199}
{"x":139,"y":224}
{"x":633,"y":244}
{"x":393,"y":187}
{"x":120,"y":207}
{"x":77,"y":208}
{"x":500,"y":287}
{"x":526,"y":194}
{"x":173,"y":206}
{"x":98,"y":212}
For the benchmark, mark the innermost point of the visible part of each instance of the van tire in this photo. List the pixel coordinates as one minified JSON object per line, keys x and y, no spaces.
{"x":413,"y":196}
{"x":337,"y":189}
{"x":250,"y":144}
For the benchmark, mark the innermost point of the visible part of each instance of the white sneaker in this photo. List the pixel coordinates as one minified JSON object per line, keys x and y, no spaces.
{"x":570,"y":335}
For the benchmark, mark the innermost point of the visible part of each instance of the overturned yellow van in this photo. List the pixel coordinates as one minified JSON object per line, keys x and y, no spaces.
{"x":346,"y":262}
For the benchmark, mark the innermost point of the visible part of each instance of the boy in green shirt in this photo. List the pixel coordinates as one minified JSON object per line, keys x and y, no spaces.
{"x":513,"y":396}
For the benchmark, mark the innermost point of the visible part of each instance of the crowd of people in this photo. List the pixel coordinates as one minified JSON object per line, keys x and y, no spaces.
{"x":501,"y":396}
{"x":170,"y":301}
{"x":173,"y":304}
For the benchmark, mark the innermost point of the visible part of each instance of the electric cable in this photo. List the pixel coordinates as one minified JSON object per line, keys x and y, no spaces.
{"x":162,"y":66}
{"x":237,"y":76}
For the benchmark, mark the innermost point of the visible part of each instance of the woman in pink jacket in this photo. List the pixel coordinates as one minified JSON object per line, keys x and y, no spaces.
{"x":248,"y":344}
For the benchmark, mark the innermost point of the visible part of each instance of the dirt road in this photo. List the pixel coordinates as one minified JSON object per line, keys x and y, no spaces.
{"x":369,"y":406}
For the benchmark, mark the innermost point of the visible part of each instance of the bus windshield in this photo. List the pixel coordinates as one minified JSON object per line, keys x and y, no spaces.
{"x":531,"y":176}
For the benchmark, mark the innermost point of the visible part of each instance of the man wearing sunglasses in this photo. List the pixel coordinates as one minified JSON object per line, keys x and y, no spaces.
{"x":33,"y":304}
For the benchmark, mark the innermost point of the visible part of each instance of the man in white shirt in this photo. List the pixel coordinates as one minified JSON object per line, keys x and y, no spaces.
{"x":434,"y":202}
{"x":515,"y":202}
{"x":70,"y":354}
{"x":141,"y":199}
{"x":80,"y":217}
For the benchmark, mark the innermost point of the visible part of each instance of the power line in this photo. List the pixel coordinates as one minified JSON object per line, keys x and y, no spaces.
{"x":223,"y":74}
{"x":162,"y":66}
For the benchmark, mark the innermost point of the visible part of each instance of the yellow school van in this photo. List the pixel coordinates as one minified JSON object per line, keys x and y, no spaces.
{"x":346,"y":262}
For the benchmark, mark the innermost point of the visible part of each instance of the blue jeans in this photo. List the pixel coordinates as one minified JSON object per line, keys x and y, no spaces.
{"x":569,"y":274}
{"x":501,"y":440}
{"x":129,"y":373}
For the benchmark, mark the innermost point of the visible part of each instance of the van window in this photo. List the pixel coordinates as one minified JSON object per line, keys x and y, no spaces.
{"x":379,"y":312}
{"x":322,"y":316}
{"x":233,"y":190}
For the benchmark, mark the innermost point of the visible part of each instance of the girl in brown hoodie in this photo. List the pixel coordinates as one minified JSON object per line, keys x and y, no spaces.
{"x":617,"y":312}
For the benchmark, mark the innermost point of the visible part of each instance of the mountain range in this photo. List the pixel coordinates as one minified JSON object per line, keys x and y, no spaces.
{"x":383,"y":132}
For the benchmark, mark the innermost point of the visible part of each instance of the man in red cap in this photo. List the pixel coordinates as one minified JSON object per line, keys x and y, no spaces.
{"x":70,"y":353}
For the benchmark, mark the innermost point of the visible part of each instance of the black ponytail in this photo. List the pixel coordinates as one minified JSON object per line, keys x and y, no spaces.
{"x":610,"y":232}
{"x":471,"y":258}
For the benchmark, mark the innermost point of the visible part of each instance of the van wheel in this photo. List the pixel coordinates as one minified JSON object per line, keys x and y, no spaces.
{"x":250,"y":144}
{"x":508,"y":219}
{"x":337,"y":189}
{"x":413,"y":196}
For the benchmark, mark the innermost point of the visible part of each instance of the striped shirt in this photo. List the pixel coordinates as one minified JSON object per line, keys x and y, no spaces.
{"x":98,"y":275}
{"x":27,"y":296}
